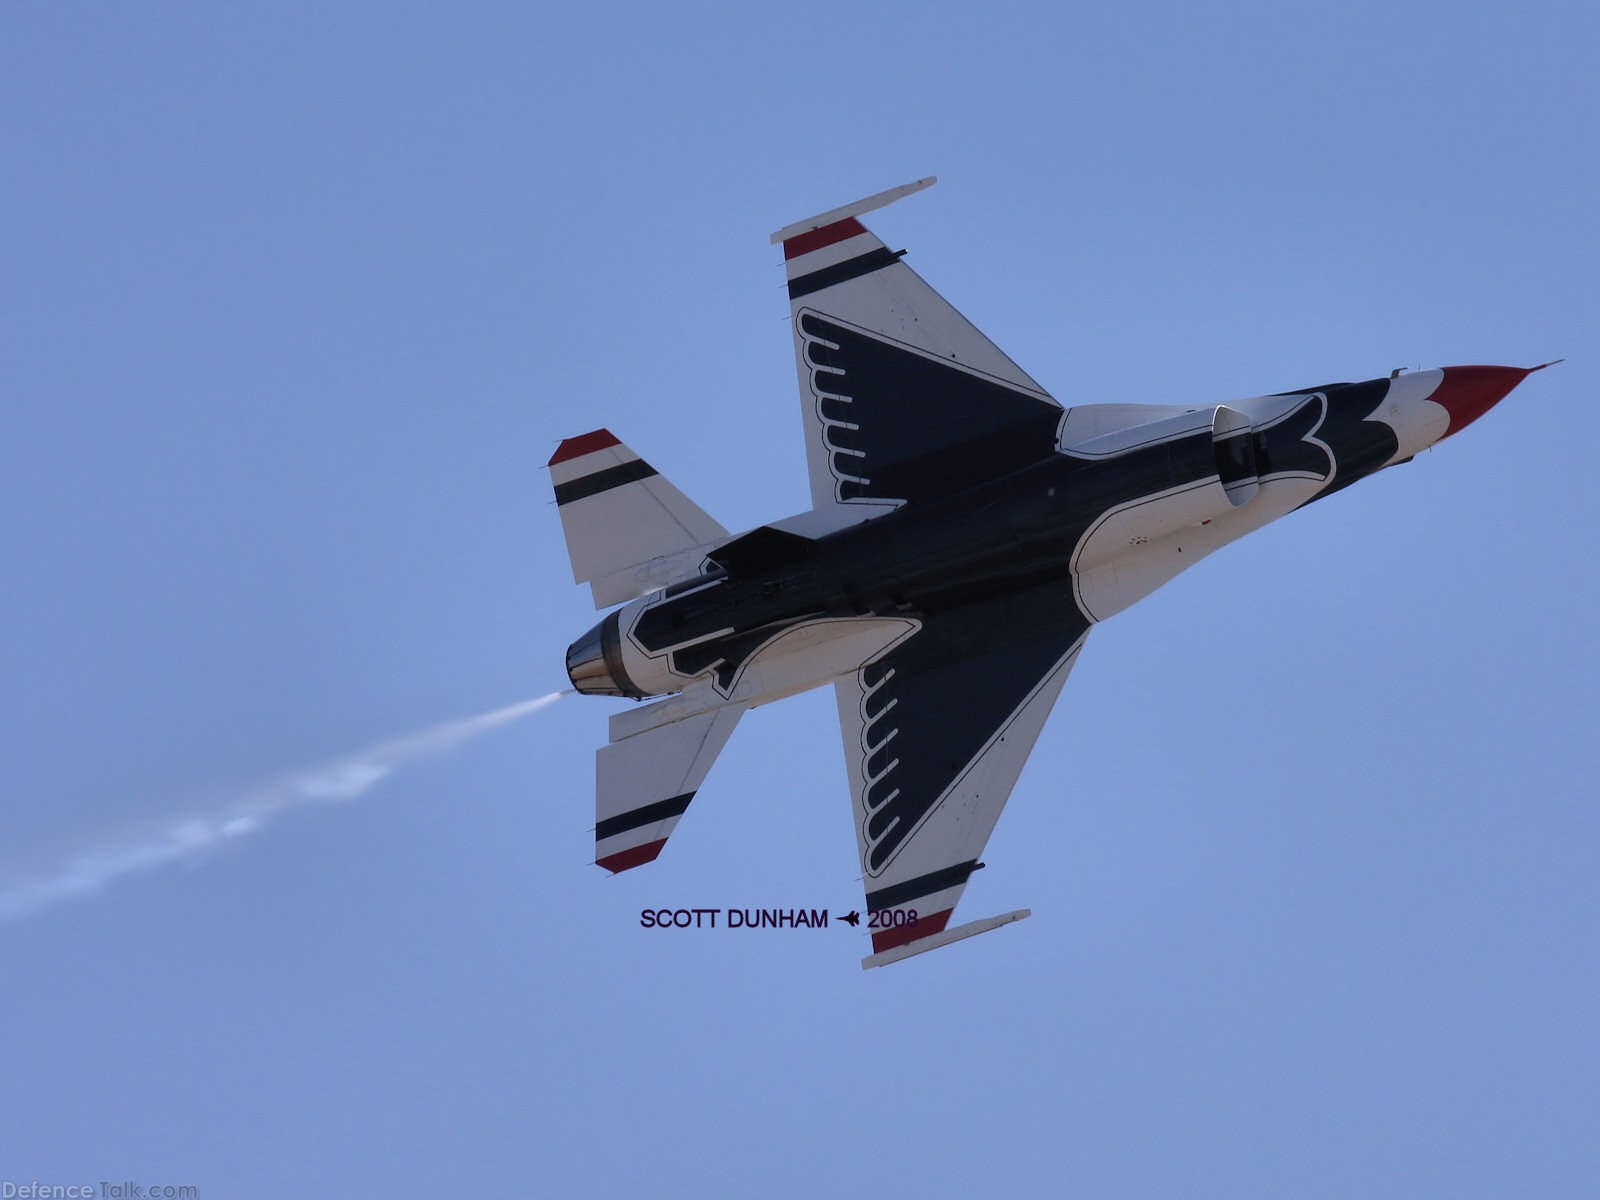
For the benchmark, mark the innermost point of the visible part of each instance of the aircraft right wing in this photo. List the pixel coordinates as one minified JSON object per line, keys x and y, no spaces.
{"x":936,"y":732}
{"x":903,"y":398}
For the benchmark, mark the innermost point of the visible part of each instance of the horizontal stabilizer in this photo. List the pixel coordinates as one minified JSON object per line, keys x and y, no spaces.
{"x":628,"y":530}
{"x":643,"y":784}
{"x":959,"y":933}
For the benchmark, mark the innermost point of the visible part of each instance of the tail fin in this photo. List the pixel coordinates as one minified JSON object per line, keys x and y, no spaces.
{"x":628,"y":529}
{"x":644,"y":782}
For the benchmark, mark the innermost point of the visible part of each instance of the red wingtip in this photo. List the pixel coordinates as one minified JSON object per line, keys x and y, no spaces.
{"x":637,"y":856}
{"x":584,"y":443}
{"x":827,"y":235}
{"x":927,"y":926}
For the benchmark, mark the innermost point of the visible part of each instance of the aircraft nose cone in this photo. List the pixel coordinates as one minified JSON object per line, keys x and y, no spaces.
{"x":1469,"y":392}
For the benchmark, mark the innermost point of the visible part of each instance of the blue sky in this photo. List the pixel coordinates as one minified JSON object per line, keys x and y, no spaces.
{"x":297,"y":305}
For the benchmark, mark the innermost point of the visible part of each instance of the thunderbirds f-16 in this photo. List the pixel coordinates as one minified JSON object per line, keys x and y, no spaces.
{"x":966,"y":533}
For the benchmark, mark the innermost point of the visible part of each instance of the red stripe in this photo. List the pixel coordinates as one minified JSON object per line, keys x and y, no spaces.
{"x":805,"y":243}
{"x":888,"y":939}
{"x":636,"y":857}
{"x":584,"y":443}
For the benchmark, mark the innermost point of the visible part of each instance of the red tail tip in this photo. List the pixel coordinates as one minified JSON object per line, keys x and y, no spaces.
{"x":635,"y":856}
{"x":584,"y":443}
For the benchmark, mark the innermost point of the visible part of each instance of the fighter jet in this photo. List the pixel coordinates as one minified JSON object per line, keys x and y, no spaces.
{"x":966,"y":533}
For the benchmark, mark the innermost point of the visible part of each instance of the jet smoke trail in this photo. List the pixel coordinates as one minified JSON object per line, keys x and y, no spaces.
{"x":187,"y":837}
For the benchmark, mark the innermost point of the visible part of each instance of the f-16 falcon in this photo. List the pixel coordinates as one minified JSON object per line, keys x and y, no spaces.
{"x":966,"y":532}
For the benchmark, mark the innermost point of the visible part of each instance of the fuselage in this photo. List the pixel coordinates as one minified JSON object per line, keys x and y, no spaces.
{"x":1102,"y":522}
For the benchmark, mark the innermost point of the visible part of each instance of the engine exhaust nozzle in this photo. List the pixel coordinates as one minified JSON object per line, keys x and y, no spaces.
{"x":594,"y":662}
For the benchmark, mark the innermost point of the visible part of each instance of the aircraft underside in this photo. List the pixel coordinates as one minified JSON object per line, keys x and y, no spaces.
{"x":966,"y":532}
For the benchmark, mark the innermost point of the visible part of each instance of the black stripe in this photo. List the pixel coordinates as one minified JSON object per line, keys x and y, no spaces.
{"x":672,"y":806}
{"x":603,"y":481}
{"x":923,"y":885}
{"x":850,"y":268}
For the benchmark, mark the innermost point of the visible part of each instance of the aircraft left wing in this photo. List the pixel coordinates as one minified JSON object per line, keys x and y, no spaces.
{"x":903,"y":399}
{"x":936,"y":732}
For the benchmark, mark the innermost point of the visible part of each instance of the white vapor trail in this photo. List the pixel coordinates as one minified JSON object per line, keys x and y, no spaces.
{"x":187,"y":837}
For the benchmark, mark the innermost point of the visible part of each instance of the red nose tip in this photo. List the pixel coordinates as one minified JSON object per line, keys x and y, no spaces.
{"x":1469,"y":392}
